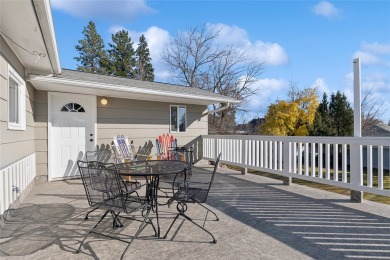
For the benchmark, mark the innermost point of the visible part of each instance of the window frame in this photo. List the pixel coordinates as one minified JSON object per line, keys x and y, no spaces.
{"x":21,"y":85}
{"x":177,"y":123}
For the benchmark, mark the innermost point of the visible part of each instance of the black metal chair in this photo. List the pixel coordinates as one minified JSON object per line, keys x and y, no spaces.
{"x":104,"y":189}
{"x":192,"y":192}
{"x":108,"y":156}
{"x":166,"y":182}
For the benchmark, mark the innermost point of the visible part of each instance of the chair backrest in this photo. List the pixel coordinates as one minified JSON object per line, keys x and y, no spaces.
{"x":216,"y":163}
{"x":103,"y":185}
{"x":122,"y":148}
{"x":163,"y":143}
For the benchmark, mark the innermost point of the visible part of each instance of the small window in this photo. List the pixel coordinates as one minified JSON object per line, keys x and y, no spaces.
{"x":73,"y":107}
{"x":178,"y":119}
{"x":16,"y":101}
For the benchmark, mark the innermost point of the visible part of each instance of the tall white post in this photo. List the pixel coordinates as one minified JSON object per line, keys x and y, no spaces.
{"x":357,"y":111}
{"x":356,"y":150}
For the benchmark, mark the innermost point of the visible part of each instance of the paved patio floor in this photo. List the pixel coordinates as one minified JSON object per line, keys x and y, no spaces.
{"x":259,"y":219}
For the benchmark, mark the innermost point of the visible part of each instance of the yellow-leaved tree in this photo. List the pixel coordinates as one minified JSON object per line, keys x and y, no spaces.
{"x":292,"y":117}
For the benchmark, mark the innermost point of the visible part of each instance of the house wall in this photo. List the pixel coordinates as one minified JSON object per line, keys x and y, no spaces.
{"x":41,"y":131}
{"x":14,"y":145}
{"x":17,"y":148}
{"x":143,"y":121}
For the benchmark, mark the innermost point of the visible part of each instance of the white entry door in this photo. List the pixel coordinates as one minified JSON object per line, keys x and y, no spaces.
{"x":72,"y":120}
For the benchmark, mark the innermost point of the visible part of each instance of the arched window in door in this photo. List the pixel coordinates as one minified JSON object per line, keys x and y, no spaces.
{"x":73,"y":107}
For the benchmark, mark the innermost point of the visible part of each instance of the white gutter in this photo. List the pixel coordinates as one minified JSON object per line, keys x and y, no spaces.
{"x":120,"y":88}
{"x":45,"y":20}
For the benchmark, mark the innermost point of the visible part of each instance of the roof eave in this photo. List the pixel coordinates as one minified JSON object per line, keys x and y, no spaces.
{"x":43,"y":11}
{"x":40,"y":83}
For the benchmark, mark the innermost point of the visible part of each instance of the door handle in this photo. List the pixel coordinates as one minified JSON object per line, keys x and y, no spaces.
{"x":91,"y":140}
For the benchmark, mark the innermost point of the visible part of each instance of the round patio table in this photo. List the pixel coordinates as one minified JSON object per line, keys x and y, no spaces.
{"x":152,"y":172}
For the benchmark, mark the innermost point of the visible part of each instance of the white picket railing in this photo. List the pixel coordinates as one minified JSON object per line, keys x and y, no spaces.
{"x":336,"y":161}
{"x":14,"y":179}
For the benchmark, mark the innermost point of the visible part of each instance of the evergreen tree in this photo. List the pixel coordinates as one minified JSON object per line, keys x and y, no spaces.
{"x":342,"y":115}
{"x":144,"y":68}
{"x":334,"y":118}
{"x":322,"y":121}
{"x":93,"y":57}
{"x":122,"y":61}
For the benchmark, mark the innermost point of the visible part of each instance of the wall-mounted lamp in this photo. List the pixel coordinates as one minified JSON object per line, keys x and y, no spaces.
{"x":103,"y":101}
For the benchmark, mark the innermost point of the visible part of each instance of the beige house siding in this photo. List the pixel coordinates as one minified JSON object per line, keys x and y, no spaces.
{"x":41,"y":137}
{"x":14,"y":145}
{"x":143,"y":121}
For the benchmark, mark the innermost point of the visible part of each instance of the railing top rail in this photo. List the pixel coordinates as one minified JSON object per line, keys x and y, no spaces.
{"x":384,"y":141}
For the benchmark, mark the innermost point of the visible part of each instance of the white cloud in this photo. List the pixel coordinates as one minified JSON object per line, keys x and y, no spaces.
{"x":268,"y":91}
{"x":267,"y":52}
{"x":116,"y":28}
{"x":110,"y":9}
{"x":374,"y":53}
{"x":377,"y":82}
{"x":367,"y":58}
{"x":326,"y":9}
{"x":322,"y":87}
{"x":375,"y":47}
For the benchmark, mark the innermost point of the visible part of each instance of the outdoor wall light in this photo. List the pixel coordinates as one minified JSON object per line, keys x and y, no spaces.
{"x":103,"y":101}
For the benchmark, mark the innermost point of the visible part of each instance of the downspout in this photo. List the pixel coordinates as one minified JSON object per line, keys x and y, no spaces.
{"x":217,"y":110}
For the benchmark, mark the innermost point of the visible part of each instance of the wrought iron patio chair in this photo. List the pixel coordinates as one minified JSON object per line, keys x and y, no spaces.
{"x":104,"y":188}
{"x":192,"y":192}
{"x":108,"y":156}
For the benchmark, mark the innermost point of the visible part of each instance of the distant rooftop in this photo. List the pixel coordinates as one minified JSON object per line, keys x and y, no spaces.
{"x":381,"y":130}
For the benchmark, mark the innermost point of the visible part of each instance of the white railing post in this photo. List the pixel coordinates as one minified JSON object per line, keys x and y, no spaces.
{"x":357,"y":174}
{"x":244,"y":170}
{"x":287,"y":161}
{"x":215,"y":148}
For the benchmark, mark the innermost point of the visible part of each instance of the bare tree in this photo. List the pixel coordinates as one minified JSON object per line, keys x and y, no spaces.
{"x":372,"y":110}
{"x":195,"y":60}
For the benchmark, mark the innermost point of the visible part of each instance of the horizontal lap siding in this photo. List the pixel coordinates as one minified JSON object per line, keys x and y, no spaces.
{"x":17,"y":148}
{"x":14,"y":145}
{"x":40,"y":117}
{"x":142,"y":121}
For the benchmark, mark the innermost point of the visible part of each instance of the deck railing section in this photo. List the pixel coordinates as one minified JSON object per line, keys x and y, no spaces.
{"x":336,"y":161}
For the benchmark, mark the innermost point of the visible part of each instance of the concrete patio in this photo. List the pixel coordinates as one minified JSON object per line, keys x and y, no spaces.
{"x":259,"y":219}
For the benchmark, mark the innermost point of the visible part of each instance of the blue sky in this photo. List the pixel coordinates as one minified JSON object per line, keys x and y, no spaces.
{"x":312,"y":43}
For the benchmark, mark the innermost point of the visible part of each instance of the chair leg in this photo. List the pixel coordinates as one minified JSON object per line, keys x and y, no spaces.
{"x":101,"y":219}
{"x":193,"y":222}
{"x":116,"y":223}
{"x":173,"y":222}
{"x":216,"y":217}
{"x":86,"y":216}
{"x":199,"y":226}
{"x":140,"y":229}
